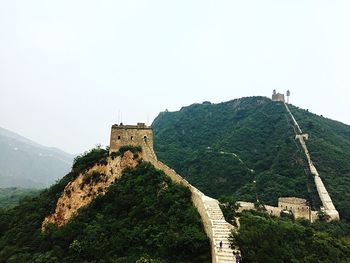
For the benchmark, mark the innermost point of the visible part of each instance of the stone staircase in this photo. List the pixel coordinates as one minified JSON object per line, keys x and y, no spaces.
{"x":212,"y":217}
{"x":221,"y":231}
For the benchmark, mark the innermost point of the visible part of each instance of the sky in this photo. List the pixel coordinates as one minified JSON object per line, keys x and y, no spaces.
{"x":70,"y":69}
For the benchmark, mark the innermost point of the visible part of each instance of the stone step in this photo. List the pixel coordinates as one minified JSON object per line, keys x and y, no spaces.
{"x":221,"y":226}
{"x":225,"y":245}
{"x":226,"y":242}
{"x":222,"y":232}
{"x":227,"y":255}
{"x":224,"y":238}
{"x":222,"y":229}
{"x":224,"y":251}
{"x":228,"y":258}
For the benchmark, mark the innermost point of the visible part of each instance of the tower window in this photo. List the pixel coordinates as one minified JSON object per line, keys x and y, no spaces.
{"x":118,"y":137}
{"x":145,"y":138}
{"x":132,"y":137}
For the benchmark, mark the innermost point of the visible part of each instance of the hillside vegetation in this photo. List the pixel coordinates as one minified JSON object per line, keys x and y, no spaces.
{"x":10,"y":197}
{"x":142,"y":217}
{"x":246,"y":148}
{"x":266,"y":239}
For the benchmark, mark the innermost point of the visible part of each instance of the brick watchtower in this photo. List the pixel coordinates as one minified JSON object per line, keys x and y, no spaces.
{"x":277,"y":96}
{"x":139,"y":134}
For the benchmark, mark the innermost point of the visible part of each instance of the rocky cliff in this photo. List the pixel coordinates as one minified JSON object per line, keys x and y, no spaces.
{"x":89,"y":184}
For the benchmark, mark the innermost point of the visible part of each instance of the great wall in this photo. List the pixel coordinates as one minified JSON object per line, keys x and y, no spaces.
{"x":217,"y":229}
{"x":215,"y":225}
{"x":326,"y":200}
{"x":328,"y":206}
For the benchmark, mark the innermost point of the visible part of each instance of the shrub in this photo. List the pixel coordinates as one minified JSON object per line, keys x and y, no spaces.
{"x":134,"y":149}
{"x":88,"y":159}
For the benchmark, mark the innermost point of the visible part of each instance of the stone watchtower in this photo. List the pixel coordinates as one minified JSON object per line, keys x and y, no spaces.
{"x":139,"y":134}
{"x":277,"y":96}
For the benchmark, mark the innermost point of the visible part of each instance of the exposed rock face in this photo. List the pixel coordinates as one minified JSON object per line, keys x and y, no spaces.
{"x":83,"y":189}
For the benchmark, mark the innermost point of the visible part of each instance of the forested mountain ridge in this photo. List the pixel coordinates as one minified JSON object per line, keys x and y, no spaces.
{"x":24,"y":163}
{"x":246,"y":148}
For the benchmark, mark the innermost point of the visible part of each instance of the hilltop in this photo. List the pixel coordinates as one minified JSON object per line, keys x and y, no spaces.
{"x":246,"y":148}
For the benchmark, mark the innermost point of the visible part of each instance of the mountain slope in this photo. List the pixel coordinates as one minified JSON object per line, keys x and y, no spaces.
{"x":142,"y":215}
{"x":24,"y":163}
{"x":246,"y":148}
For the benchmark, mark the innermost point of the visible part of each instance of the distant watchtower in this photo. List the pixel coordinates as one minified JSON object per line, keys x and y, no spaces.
{"x":139,"y":134}
{"x":277,"y":96}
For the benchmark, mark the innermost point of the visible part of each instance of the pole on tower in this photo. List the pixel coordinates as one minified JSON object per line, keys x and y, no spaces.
{"x":288,"y":94}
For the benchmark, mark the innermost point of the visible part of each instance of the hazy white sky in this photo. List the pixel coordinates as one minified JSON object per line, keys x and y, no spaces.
{"x":68,"y":69}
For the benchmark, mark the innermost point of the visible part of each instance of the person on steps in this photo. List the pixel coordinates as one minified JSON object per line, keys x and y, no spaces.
{"x":220,"y":245}
{"x":238,"y":258}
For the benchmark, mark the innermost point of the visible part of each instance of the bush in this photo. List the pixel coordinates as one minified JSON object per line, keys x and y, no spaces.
{"x":88,"y":159}
{"x":134,"y":149}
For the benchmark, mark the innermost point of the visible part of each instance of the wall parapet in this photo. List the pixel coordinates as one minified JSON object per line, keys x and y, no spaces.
{"x":326,"y":200}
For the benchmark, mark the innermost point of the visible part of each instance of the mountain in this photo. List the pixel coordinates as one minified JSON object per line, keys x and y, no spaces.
{"x":109,"y":208}
{"x":246,"y":148}
{"x":24,"y":163}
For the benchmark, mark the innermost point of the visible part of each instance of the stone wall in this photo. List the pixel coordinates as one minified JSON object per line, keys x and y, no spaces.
{"x":297,"y":211}
{"x":215,"y":226}
{"x":297,"y":206}
{"x":326,"y":200}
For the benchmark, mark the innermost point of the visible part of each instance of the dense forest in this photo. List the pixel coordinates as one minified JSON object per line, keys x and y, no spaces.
{"x":246,"y":148}
{"x":143,"y":217}
{"x":262,"y":238}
